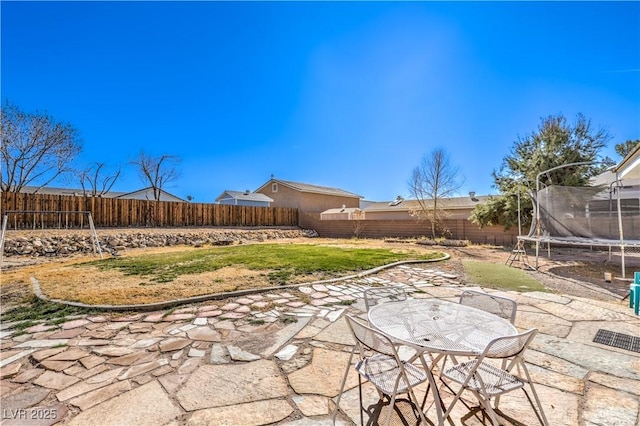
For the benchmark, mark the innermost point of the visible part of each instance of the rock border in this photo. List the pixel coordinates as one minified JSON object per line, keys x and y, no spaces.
{"x":64,"y":243}
{"x":217,"y":296}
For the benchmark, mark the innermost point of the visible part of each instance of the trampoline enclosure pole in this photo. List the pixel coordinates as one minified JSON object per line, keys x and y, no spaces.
{"x":620,"y":228}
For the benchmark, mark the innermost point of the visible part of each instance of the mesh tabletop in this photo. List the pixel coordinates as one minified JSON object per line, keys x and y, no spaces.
{"x":439,"y":326}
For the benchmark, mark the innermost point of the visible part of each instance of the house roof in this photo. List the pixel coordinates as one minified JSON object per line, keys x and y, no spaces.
{"x":629,"y":167}
{"x":240,"y":195}
{"x":453,"y":203}
{"x":52,"y":190}
{"x":139,"y":191}
{"x":316,"y":189}
{"x":628,"y":170}
{"x":342,"y":210}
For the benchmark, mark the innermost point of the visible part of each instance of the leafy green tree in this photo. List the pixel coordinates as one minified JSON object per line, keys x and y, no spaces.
{"x":555,"y":143}
{"x":623,"y":149}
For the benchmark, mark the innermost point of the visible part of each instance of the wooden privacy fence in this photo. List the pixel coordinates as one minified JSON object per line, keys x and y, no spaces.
{"x":115,"y":212}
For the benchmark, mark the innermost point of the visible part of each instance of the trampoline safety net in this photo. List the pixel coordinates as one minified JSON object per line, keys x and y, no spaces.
{"x":590,"y":213}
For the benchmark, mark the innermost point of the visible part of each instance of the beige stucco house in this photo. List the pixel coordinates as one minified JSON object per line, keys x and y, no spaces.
{"x":400,"y":209}
{"x":343,"y":213}
{"x":397,"y":218}
{"x":307,"y":198}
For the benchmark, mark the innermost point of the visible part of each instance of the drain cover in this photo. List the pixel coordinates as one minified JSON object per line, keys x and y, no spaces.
{"x":618,"y":340}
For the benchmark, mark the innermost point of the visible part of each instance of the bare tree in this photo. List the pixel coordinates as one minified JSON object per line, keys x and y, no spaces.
{"x":35,"y":148}
{"x":157,"y":172}
{"x":435,"y":179}
{"x":95,"y":183}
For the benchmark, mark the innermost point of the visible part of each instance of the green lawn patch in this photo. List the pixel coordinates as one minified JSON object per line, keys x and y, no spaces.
{"x":36,"y":309}
{"x":493,"y":275}
{"x":282,"y":262}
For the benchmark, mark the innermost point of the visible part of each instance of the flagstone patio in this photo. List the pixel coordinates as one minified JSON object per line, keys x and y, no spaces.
{"x":279,"y":358}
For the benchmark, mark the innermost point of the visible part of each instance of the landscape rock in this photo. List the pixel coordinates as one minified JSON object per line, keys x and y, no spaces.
{"x":57,"y":244}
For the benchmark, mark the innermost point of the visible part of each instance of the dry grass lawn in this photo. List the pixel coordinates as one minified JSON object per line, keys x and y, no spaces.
{"x":60,"y":279}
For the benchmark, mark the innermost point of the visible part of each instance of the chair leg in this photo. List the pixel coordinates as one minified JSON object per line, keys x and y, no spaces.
{"x":485,"y":402}
{"x":412,"y":396}
{"x":361,"y":408}
{"x":392,"y":404}
{"x":344,"y":381}
{"x":440,"y":408}
{"x":456,"y":397}
{"x":504,"y":367}
{"x":539,"y":412}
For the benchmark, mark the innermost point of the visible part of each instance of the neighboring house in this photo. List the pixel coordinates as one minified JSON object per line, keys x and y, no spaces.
{"x":141,"y":194}
{"x":627,"y":172}
{"x":147,"y":194}
{"x":365,"y":203}
{"x":343,"y":213}
{"x":401,"y":209}
{"x":307,"y":198}
{"x":246,"y":198}
{"x":74,"y":192}
{"x":397,"y":218}
{"x":629,"y":167}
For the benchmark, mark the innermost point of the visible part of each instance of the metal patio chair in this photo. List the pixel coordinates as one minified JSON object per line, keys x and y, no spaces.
{"x":498,"y":305}
{"x":380,"y":364}
{"x":376,"y":295}
{"x":486,"y":381}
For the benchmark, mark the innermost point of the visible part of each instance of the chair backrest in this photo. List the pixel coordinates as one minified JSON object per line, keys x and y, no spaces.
{"x":501,"y":306}
{"x":368,"y":338}
{"x":376,"y":295}
{"x":509,"y":346}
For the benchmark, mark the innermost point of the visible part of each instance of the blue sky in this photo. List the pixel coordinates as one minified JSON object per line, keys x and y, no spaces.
{"x":342,"y":94}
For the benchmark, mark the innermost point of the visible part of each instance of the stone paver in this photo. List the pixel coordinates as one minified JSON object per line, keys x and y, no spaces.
{"x":611,"y":407}
{"x":323,"y":364}
{"x":232,"y":362}
{"x":86,"y":386}
{"x":40,"y":343}
{"x":252,"y":413}
{"x":238,"y":354}
{"x":139,"y":369}
{"x":101,"y":394}
{"x":10,"y":370}
{"x":91,"y":361}
{"x":173,"y":344}
{"x":56,"y":365}
{"x":74,"y":324}
{"x":206,"y":334}
{"x":147,"y":405}
{"x":28,"y":398}
{"x":53,"y":380}
{"x":222,"y":385}
{"x":72,"y":354}
{"x":113,"y":351}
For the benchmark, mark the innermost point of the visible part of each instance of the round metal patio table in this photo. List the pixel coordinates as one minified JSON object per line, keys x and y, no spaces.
{"x":439,"y":327}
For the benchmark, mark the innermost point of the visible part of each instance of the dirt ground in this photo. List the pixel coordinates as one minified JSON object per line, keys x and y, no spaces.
{"x":570,"y":271}
{"x":574,"y":271}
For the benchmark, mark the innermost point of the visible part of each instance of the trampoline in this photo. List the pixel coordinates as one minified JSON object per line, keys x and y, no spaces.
{"x":605,"y":215}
